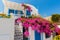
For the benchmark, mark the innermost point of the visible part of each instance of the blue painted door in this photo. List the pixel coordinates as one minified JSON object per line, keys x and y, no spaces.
{"x":37,"y":36}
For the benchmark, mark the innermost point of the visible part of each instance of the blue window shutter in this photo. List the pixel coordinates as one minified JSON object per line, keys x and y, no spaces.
{"x":10,"y":11}
{"x":21,"y":12}
{"x":37,"y":36}
{"x":16,"y":11}
{"x":28,"y":13}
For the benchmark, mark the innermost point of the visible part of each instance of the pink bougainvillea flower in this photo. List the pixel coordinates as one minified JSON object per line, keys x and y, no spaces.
{"x":38,"y":31}
{"x":33,"y":27}
{"x":32,"y":21}
{"x":26,"y":25}
{"x":18,"y":21}
{"x":21,"y":19}
{"x":37,"y":27}
{"x":22,"y":4}
{"x":27,"y":7}
{"x":26,"y":33}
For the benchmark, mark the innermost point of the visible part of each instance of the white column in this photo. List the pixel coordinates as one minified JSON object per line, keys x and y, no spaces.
{"x":43,"y":36}
{"x":51,"y":37}
{"x":31,"y":34}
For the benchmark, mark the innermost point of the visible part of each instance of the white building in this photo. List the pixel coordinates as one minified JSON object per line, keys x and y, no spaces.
{"x":13,"y":6}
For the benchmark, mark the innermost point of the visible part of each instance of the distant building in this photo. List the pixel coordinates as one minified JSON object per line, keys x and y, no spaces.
{"x":48,"y":18}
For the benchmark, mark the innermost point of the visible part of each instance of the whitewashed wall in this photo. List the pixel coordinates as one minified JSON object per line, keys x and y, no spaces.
{"x":31,"y":34}
{"x":6,"y":29}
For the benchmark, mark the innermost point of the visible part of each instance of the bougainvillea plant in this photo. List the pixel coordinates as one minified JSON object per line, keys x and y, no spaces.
{"x":38,"y":24}
{"x":26,"y":7}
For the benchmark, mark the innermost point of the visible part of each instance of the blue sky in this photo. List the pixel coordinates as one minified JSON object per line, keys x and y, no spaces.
{"x":45,"y":7}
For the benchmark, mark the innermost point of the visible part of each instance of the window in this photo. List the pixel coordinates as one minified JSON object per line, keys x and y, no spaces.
{"x":28,"y":13}
{"x":21,"y":12}
{"x":10,"y":11}
{"x":16,"y":11}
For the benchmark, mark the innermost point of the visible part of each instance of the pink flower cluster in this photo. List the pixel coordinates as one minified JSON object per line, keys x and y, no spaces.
{"x":38,"y":24}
